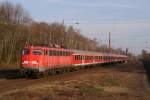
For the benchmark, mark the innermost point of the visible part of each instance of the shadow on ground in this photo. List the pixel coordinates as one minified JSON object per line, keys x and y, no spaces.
{"x":9,"y":74}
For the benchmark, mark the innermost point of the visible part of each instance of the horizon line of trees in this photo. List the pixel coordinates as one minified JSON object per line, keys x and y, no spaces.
{"x":18,"y":29}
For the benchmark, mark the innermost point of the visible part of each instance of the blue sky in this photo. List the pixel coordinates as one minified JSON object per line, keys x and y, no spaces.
{"x":127,"y":20}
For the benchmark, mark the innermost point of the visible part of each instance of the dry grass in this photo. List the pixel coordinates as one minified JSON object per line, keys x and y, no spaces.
{"x":91,"y":85}
{"x":68,"y":89}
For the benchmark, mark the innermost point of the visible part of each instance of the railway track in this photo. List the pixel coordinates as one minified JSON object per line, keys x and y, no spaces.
{"x":8,"y":85}
{"x":11,"y":84}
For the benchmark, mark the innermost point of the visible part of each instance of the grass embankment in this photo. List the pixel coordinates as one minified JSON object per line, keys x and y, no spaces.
{"x":69,"y":89}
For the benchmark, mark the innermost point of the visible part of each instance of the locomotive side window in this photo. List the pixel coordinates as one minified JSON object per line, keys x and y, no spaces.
{"x":26,"y":52}
{"x":37,"y":52}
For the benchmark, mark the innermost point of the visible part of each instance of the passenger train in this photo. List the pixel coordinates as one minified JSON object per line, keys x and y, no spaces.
{"x":37,"y":60}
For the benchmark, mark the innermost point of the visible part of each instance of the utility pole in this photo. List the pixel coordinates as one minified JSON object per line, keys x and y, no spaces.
{"x":127,"y":51}
{"x":109,"y":42}
{"x":63,"y":22}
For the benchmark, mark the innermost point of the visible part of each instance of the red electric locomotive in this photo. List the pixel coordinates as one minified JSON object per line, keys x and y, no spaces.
{"x":37,"y":59}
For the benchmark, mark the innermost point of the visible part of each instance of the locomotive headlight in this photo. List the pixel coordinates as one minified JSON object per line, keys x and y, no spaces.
{"x":34,"y":62}
{"x":25,"y":62}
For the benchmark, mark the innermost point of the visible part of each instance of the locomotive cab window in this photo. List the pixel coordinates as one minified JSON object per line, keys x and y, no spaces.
{"x":25,"y":52}
{"x":37,"y":52}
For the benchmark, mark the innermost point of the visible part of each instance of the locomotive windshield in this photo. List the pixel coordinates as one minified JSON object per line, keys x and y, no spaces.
{"x":26,"y":52}
{"x":37,"y":52}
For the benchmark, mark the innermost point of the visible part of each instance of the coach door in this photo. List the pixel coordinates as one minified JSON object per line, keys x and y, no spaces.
{"x":93,"y":57}
{"x":83,"y":58}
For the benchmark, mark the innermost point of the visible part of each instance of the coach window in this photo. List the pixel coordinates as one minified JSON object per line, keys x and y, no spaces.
{"x":67,"y":53}
{"x":104,"y":57}
{"x":37,"y":52}
{"x":53,"y":53}
{"x":63,"y":53}
{"x":80,"y":57}
{"x":75,"y":57}
{"x":59,"y":53}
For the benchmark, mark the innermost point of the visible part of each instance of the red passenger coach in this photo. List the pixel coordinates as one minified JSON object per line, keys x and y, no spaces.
{"x":37,"y":59}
